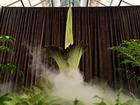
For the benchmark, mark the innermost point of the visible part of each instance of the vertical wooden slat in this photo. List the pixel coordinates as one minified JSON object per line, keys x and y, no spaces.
{"x":99,"y":28}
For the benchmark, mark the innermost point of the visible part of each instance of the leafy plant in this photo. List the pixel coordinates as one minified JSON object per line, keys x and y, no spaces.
{"x":8,"y":68}
{"x":129,"y":50}
{"x":35,"y":96}
{"x":131,"y":101}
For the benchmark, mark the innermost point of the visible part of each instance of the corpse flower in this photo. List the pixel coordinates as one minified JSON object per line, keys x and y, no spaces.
{"x":68,"y":57}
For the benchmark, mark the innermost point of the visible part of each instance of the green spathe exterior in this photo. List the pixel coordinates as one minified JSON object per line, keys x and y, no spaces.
{"x":67,"y":58}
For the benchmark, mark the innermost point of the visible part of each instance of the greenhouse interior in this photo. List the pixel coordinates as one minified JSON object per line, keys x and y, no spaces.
{"x":69,"y":52}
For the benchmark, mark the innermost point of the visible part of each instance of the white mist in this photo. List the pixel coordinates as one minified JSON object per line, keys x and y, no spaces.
{"x":71,"y":85}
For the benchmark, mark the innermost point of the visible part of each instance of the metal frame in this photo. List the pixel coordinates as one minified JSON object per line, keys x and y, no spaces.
{"x":111,"y":3}
{"x":13,"y":3}
{"x":16,"y":2}
{"x":38,"y":3}
{"x":127,"y":3}
{"x":87,"y":2}
{"x":100,"y":3}
{"x":22,"y":2}
{"x":120,"y":2}
{"x":124,"y":2}
{"x":30,"y":3}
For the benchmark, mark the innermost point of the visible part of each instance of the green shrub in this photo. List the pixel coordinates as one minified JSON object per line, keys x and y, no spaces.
{"x":8,"y":68}
{"x":129,"y":50}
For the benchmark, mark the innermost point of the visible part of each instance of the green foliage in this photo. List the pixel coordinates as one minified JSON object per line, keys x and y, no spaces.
{"x":77,"y":102}
{"x":4,"y":49}
{"x":36,"y":96}
{"x":130,"y":101}
{"x":32,"y":97}
{"x":8,"y":68}
{"x":129,"y":50}
{"x":12,"y":99}
{"x":102,"y":101}
{"x":4,"y":38}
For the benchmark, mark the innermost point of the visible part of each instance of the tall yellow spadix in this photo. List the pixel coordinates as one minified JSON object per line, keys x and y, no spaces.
{"x":69,"y":33}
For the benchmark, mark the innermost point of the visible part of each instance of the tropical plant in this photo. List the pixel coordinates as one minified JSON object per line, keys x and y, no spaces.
{"x":36,"y":96}
{"x":129,"y":50}
{"x":70,"y":56}
{"x":131,"y":101}
{"x":67,"y":58}
{"x":8,"y":68}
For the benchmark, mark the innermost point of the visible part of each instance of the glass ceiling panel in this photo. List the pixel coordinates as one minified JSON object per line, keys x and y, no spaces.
{"x":105,"y":2}
{"x":124,"y":4}
{"x":7,"y":2}
{"x":34,"y":2}
{"x":101,"y":5}
{"x":133,"y":2}
{"x":96,"y":3}
{"x":18,"y":4}
{"x":38,"y":5}
{"x":66,"y":3}
{"x":115,"y":3}
{"x":26,"y":3}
